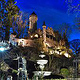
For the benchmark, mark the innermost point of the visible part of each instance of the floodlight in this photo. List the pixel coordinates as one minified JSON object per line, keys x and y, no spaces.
{"x":1,"y":49}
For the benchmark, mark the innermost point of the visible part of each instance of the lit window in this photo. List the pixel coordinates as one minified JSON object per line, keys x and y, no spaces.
{"x":31,"y":36}
{"x":36,"y":35}
{"x":22,"y":42}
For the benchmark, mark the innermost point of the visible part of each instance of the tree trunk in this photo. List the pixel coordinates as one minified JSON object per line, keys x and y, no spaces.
{"x":7,"y":34}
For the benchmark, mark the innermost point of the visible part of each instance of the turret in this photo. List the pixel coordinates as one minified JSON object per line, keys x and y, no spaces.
{"x":44,"y":34}
{"x":33,"y":22}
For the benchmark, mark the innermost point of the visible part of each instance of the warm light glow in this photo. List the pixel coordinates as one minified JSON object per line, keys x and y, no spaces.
{"x":69,"y":56}
{"x":40,"y":36}
{"x":48,"y":44}
{"x":60,"y":53}
{"x":66,"y":54}
{"x":36,"y":35}
{"x":57,"y":52}
{"x":22,"y":42}
{"x":51,"y":52}
{"x":31,"y":36}
{"x":58,"y":47}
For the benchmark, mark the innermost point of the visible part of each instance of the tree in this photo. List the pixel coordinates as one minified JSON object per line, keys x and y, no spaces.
{"x":20,"y":24}
{"x":72,"y":7}
{"x":75,"y":45}
{"x":63,"y":28}
{"x":39,"y":44}
{"x":9,"y":12}
{"x":2,"y":18}
{"x":2,"y":11}
{"x":77,"y":23}
{"x":66,"y":40}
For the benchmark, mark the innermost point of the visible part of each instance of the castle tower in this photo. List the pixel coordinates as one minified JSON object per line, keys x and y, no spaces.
{"x":44,"y":34}
{"x":33,"y":22}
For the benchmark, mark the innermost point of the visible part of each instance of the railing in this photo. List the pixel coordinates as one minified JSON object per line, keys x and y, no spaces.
{"x":73,"y":78}
{"x":54,"y":79}
{"x":50,"y":79}
{"x":64,"y":79}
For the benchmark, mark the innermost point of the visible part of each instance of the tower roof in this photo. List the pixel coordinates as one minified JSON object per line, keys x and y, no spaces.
{"x":33,"y":14}
{"x":44,"y":23}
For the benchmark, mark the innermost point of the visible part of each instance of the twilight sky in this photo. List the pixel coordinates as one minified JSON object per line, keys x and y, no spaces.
{"x":53,"y":12}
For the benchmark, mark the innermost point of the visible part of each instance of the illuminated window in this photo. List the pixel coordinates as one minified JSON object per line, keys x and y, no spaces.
{"x":36,"y":35}
{"x":31,"y":36}
{"x":22,"y":42}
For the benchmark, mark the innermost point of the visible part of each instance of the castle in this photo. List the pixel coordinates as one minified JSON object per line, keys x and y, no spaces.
{"x":50,"y":39}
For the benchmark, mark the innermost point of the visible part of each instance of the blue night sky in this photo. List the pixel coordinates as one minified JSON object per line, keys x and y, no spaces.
{"x":53,"y":12}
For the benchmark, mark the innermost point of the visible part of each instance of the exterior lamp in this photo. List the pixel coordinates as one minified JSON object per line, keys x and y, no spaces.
{"x":2,"y":49}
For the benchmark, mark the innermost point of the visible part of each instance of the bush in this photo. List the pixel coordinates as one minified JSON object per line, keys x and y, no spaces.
{"x":64,"y":72}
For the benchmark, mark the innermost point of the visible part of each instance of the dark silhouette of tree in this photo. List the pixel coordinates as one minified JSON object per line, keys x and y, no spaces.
{"x":55,"y":63}
{"x":63,"y":28}
{"x":20,"y":24}
{"x":75,"y":45}
{"x":2,"y":17}
{"x":9,"y":12}
{"x":77,"y":23}
{"x":66,"y":40}
{"x":2,"y":13}
{"x":12,"y":13}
